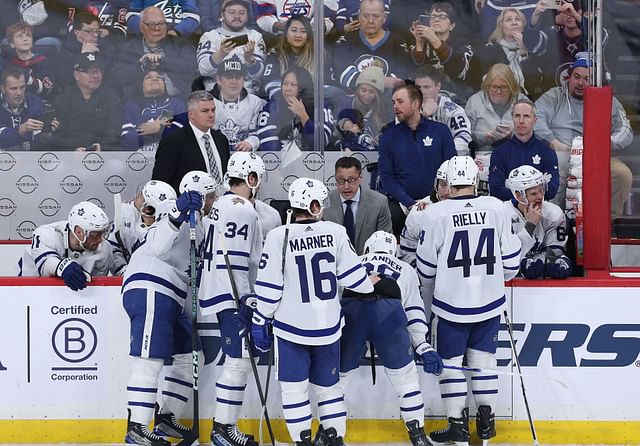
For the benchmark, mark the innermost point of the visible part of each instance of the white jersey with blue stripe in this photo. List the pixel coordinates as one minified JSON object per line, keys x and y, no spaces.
{"x":162,"y":261}
{"x":234,"y":219}
{"x":407,"y":280}
{"x":410,"y":233}
{"x":467,"y":247}
{"x":304,"y":300}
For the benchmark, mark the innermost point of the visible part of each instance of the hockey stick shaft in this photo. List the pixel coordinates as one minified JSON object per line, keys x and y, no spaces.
{"x":245,"y":336}
{"x":524,"y":393}
{"x":117,"y":222}
{"x":503,"y":372}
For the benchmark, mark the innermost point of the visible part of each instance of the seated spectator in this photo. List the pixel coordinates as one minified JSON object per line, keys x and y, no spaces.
{"x":360,"y":210}
{"x":489,"y":12}
{"x":368,"y":100}
{"x":112,"y":15}
{"x":347,"y":15}
{"x":541,"y":226}
{"x":286,"y":121}
{"x":272,"y":15}
{"x":156,"y":49}
{"x":38,"y":70}
{"x":182,"y":17}
{"x":437,"y":44}
{"x":218,"y":45}
{"x":489,"y":111}
{"x":515,"y":44}
{"x":295,"y":48}
{"x":560,"y":120}
{"x":49,"y":19}
{"x":147,"y":113}
{"x":237,"y":110}
{"x":523,"y":148}
{"x":89,"y":114}
{"x":371,"y":45}
{"x":23,"y":123}
{"x":441,"y":108}
{"x":350,"y":132}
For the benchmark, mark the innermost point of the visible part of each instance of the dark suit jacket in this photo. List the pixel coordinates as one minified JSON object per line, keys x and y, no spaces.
{"x":373,"y":214}
{"x":179,"y":153}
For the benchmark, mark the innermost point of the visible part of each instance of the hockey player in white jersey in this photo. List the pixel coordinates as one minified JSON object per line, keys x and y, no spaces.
{"x":440,"y":108}
{"x":540,"y":225}
{"x":297,"y":288}
{"x":393,"y":319}
{"x":71,"y":249}
{"x":468,"y":249}
{"x":234,"y":219}
{"x":154,"y":290}
{"x":136,"y":218}
{"x":411,"y":231}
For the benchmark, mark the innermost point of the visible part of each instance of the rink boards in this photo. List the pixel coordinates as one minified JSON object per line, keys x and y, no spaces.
{"x":64,"y":363}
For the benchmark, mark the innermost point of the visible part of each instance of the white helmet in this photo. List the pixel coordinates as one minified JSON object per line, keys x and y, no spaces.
{"x":154,"y":194}
{"x":441,"y":174}
{"x":90,"y":218}
{"x":462,"y":171}
{"x":381,"y":241}
{"x":199,"y":181}
{"x":525,"y":177}
{"x":242,"y":164}
{"x":305,"y":191}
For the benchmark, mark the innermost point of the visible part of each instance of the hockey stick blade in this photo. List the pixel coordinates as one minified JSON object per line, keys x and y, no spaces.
{"x":504,"y":372}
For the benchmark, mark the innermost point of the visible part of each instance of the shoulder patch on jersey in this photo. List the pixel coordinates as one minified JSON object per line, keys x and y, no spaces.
{"x":237,"y":200}
{"x":449,"y":106}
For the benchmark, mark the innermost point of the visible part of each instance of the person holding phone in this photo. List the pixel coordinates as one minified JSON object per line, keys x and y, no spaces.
{"x":233,"y":39}
{"x":348,"y":15}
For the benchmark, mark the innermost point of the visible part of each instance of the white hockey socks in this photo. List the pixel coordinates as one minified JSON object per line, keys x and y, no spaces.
{"x":483,"y":385}
{"x":230,"y":388}
{"x":407,"y":386}
{"x":177,"y":385}
{"x":332,"y":410}
{"x":142,"y":388}
{"x":453,"y":388}
{"x":296,"y":407}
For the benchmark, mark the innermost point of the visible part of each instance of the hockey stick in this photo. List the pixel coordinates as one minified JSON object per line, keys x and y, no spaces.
{"x":245,"y":336}
{"x":524,"y":393}
{"x":194,"y":435}
{"x":503,"y":372}
{"x":117,"y":223}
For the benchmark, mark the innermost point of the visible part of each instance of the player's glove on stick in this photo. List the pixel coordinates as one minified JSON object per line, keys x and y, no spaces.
{"x":74,"y":276}
{"x":431,"y":360}
{"x":260,"y":333}
{"x":532,"y":268}
{"x":187,"y":202}
{"x":560,"y":268}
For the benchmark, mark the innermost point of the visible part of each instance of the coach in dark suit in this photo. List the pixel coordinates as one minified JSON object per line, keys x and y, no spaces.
{"x":195,"y":146}
{"x":360,"y":210}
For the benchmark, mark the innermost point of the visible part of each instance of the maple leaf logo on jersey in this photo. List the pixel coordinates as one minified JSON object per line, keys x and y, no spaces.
{"x":237,"y":200}
{"x":81,"y":212}
{"x":231,"y":131}
{"x":468,"y":205}
{"x":536,"y":159}
{"x":427,"y":141}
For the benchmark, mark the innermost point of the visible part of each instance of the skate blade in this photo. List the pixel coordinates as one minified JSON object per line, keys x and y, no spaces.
{"x":449,"y":443}
{"x":485,"y":442}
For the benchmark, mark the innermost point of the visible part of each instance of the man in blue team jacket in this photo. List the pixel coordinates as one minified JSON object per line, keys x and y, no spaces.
{"x":410,"y":153}
{"x":523,"y":148}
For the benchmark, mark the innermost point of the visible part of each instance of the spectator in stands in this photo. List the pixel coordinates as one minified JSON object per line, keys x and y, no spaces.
{"x":523,"y":148}
{"x":410,"y":153}
{"x":438,"y":106}
{"x":112,"y":15}
{"x":372,"y":45}
{"x":350,"y":135}
{"x":156,"y":49}
{"x":489,"y":12}
{"x":38,"y":70}
{"x":182,"y":17}
{"x":237,"y":110}
{"x":295,"y":48}
{"x":438,"y":45}
{"x":218,"y":45}
{"x":22,"y":118}
{"x":147,"y":113}
{"x":286,"y":122}
{"x":47,"y":17}
{"x":489,"y":111}
{"x":560,"y":120}
{"x":89,"y":113}
{"x":272,"y":15}
{"x":515,"y":44}
{"x":347,"y":16}
{"x":360,"y":210}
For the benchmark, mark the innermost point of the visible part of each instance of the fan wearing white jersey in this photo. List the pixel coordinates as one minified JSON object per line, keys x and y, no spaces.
{"x":136,"y":219}
{"x":154,"y":290}
{"x":71,"y":249}
{"x":234,"y":222}
{"x":392,"y":319}
{"x":411,"y":231}
{"x":298,"y":296}
{"x":541,"y":225}
{"x":468,"y":249}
